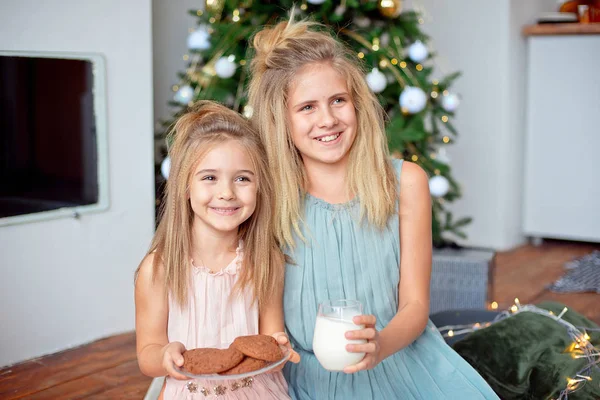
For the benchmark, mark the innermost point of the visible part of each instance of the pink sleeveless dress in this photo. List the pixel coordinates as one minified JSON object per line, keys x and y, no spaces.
{"x":213,"y":319}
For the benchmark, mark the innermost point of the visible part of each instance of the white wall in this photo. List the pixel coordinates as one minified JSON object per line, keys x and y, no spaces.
{"x":484,"y":41}
{"x":171,"y":24}
{"x":66,"y":282}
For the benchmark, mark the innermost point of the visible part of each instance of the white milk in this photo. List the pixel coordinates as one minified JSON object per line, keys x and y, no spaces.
{"x":329,"y":343}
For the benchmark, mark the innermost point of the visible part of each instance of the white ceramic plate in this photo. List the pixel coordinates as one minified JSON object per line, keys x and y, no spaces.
{"x":217,"y":377}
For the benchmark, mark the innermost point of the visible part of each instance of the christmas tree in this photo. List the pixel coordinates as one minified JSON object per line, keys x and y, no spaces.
{"x":399,"y":70}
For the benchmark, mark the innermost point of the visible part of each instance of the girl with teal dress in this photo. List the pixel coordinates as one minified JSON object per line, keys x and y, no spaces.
{"x":355,"y":223}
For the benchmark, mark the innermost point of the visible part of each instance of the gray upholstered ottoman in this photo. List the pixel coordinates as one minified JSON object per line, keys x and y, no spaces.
{"x":461,"y":317}
{"x":461,"y":279}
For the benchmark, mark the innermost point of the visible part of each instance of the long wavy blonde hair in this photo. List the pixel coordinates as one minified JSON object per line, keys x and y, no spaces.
{"x":195,"y":133}
{"x":280,"y":51}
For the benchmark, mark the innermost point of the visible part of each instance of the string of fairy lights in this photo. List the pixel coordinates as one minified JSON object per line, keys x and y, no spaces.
{"x":580,"y":347}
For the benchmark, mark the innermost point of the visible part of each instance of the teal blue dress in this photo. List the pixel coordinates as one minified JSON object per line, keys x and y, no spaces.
{"x":344,"y":259}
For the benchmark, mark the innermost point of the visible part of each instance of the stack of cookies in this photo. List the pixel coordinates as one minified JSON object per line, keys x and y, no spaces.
{"x":246,"y":354}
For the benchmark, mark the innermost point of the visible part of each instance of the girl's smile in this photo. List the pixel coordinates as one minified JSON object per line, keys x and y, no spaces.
{"x":225,"y":211}
{"x":329,"y":138}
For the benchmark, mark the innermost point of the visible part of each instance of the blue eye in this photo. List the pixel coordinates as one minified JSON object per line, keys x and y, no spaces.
{"x":307,"y":108}
{"x":339,"y":100}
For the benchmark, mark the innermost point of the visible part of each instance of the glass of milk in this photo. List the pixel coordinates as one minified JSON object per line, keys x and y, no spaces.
{"x":334,"y":319}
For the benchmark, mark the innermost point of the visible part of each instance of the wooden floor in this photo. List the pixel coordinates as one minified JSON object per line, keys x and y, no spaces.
{"x":525,"y":272}
{"x":107,"y":369}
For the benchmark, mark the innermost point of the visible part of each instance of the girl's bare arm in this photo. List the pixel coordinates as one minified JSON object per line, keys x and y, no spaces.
{"x":151,"y":316}
{"x":271,"y":320}
{"x":415,"y":263}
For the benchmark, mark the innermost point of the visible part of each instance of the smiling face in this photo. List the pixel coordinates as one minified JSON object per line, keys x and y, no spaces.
{"x":223,"y":189}
{"x":321,"y":115}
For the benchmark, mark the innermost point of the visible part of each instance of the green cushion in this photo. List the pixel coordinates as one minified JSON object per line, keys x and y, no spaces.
{"x":523,"y":357}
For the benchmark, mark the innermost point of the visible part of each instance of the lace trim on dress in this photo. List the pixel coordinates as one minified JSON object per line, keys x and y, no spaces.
{"x":230,"y":269}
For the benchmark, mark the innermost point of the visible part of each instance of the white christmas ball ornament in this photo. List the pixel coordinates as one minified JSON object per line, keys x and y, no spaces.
{"x":316,"y":1}
{"x":225,"y":67}
{"x":165,"y":167}
{"x":376,"y":81}
{"x":199,"y":40}
{"x":339,"y":10}
{"x":438,"y":186}
{"x":413,"y":99}
{"x":442,"y":156}
{"x":248,"y":111}
{"x":184,"y":95}
{"x":362,"y":22}
{"x":384,"y":40}
{"x":450,"y":102}
{"x":418,"y":52}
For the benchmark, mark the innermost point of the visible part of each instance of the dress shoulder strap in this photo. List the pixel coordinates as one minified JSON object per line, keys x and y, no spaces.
{"x":397,"y":163}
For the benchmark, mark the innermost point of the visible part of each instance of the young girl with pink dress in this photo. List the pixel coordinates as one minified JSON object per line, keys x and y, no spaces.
{"x":214,"y":270}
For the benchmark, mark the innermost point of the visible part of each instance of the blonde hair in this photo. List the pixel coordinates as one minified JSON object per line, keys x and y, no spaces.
{"x":280,"y":52}
{"x":195,"y":133}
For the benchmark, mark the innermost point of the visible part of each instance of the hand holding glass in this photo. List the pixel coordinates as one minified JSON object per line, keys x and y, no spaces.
{"x":334,"y":319}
